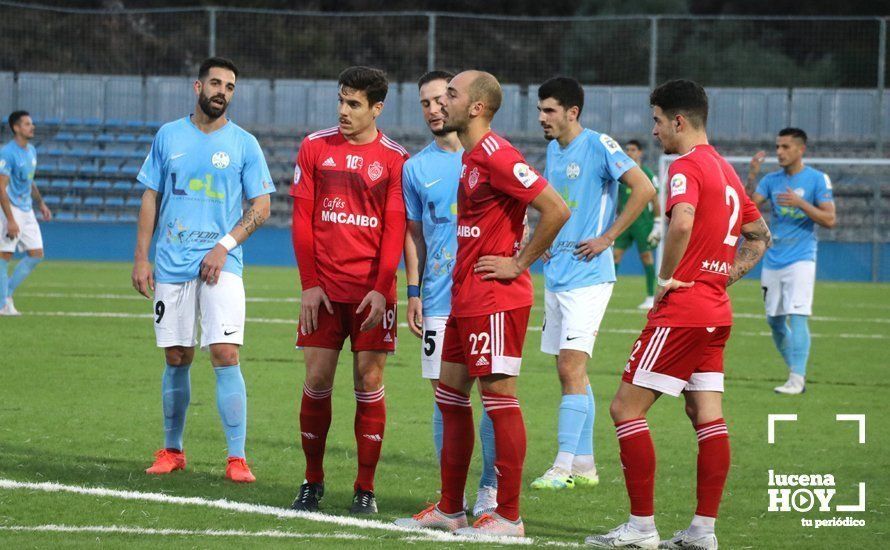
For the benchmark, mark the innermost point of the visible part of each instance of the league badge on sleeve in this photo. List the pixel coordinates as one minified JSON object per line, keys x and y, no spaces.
{"x":524,"y":174}
{"x":678,"y":185}
{"x":297,"y":174}
{"x":610,"y":144}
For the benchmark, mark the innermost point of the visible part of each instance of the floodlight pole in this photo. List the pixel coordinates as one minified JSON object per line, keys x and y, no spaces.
{"x":431,"y":42}
{"x":211,"y":42}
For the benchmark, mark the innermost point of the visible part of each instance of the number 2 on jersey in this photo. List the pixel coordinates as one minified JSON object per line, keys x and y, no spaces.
{"x":732,"y":199}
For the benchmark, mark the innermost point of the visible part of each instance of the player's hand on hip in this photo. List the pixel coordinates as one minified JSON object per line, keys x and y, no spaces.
{"x":415,"y":316}
{"x":498,"y":267}
{"x":310,"y":302}
{"x":143,"y":279}
{"x":12,"y":228}
{"x":212,"y":264}
{"x":789,"y":198}
{"x":672,"y":285}
{"x":377,"y":304}
{"x":46,"y":213}
{"x":591,"y":248}
{"x":656,"y":233}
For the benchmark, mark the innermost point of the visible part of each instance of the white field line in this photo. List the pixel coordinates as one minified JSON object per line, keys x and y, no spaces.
{"x":254,"y":299}
{"x":247,"y":508}
{"x":102,"y":529}
{"x":531,"y":328}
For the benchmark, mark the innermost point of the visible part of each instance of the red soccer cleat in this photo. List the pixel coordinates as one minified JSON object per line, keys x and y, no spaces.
{"x":237,"y":470}
{"x":166,"y":461}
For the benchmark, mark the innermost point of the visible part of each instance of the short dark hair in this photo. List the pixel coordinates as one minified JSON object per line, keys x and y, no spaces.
{"x":366,"y":79}
{"x":434,"y":75}
{"x":682,"y":97}
{"x":567,"y":91}
{"x":212,"y":62}
{"x":795,"y":133}
{"x":15,"y":117}
{"x":635,"y":142}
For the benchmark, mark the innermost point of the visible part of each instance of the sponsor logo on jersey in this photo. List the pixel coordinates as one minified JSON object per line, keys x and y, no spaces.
{"x":573,"y":170}
{"x":716,"y":266}
{"x":473,"y":180}
{"x":220,"y":160}
{"x":375,"y":170}
{"x":329,"y":163}
{"x":524,"y":174}
{"x":333,"y":203}
{"x":610,"y":144}
{"x":678,"y":185}
{"x":358,"y":220}
{"x":468,"y":231}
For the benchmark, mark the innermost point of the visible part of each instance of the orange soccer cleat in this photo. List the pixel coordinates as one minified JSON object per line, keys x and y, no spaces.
{"x":166,"y":461}
{"x":237,"y":470}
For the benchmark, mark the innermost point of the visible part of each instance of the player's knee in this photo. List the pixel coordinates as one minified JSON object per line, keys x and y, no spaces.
{"x":36,"y":255}
{"x":224,"y":355}
{"x":319,"y":381}
{"x":179,"y":356}
{"x":370,"y":380}
{"x":646,"y":258}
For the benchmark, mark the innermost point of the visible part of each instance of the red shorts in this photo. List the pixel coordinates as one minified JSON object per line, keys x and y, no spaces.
{"x":487,"y":344}
{"x":677,"y":359}
{"x":333,"y":329}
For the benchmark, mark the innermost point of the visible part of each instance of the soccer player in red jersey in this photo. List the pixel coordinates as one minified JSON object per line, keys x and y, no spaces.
{"x":348,"y":232}
{"x":491,"y":298}
{"x":681,"y":348}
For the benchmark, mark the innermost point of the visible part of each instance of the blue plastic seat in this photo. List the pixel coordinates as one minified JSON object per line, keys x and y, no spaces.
{"x":114,"y":201}
{"x":80,"y":184}
{"x":92,"y":121}
{"x":110,"y":170}
{"x":133,"y":201}
{"x":84,"y":136}
{"x":86,"y":216}
{"x":71,"y":200}
{"x":64,"y":136}
{"x":126,"y":138}
{"x":93,"y":201}
{"x":115,"y":123}
{"x":64,"y":216}
{"x":145,"y":138}
{"x":104,"y":138}
{"x":52,"y":199}
{"x":66,"y":168}
{"x":73,"y":121}
{"x":122,"y":185}
{"x":90,"y":169}
{"x":126,"y":217}
{"x":60,"y":184}
{"x":130,"y":170}
{"x":51,"y":121}
{"x":101,"y":185}
{"x":107,"y":217}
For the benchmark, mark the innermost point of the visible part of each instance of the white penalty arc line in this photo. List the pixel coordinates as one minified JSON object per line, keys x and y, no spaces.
{"x":120,"y":529}
{"x":533,"y":328}
{"x":261,"y":509}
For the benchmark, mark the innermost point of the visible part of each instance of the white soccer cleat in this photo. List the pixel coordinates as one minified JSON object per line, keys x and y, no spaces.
{"x":486,"y":501}
{"x":796,"y":384}
{"x":433,"y":518}
{"x":682,"y":539}
{"x":624,"y":536}
{"x":493,"y":525}
{"x":9,"y":309}
{"x":647,"y":303}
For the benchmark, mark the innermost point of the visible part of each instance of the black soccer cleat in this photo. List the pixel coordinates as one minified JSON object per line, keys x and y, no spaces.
{"x":308,"y":498}
{"x":363,"y":502}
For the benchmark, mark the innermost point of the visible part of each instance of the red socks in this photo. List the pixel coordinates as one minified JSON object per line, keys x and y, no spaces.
{"x":457,"y":446}
{"x":509,"y":441}
{"x":713,"y":465}
{"x":370,"y":422}
{"x":638,"y":462}
{"x":315,"y":420}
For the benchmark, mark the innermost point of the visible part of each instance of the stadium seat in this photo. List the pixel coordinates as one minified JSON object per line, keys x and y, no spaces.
{"x":133,"y":201}
{"x":130,"y":170}
{"x":87,"y":216}
{"x":115,"y":123}
{"x":73,"y":121}
{"x":101,"y":185}
{"x":122,"y":185}
{"x":80,"y":184}
{"x":126,"y":138}
{"x":87,"y":137}
{"x":89,"y":169}
{"x":41,"y":183}
{"x":46,"y":166}
{"x":126,"y":217}
{"x":104,"y":138}
{"x":71,"y":200}
{"x":51,"y":121}
{"x":107,"y":217}
{"x":110,"y":170}
{"x":114,"y":201}
{"x":66,"y":168}
{"x":144,"y":138}
{"x":64,"y":136}
{"x":52,"y":200}
{"x":92,"y":122}
{"x":64,"y":216}
{"x":93,"y":201}
{"x":134,"y":124}
{"x":60,"y":184}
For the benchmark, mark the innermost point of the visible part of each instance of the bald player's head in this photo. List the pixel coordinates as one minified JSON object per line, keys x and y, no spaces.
{"x":471,"y":94}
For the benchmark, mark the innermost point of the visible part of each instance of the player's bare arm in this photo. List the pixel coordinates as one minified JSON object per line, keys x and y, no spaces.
{"x":675,"y":243}
{"x":143,"y":279}
{"x":751,"y":182}
{"x":554,"y":214}
{"x":641,"y":192}
{"x":12,"y":228}
{"x":757,"y":240}
{"x":256,"y":215}
{"x":415,"y":259}
{"x":45,"y":212}
{"x":822,"y":213}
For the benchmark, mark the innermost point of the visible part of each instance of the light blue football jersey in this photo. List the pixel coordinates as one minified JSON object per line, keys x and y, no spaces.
{"x":794,"y":233}
{"x":202,"y":179}
{"x":586,"y":175}
{"x":429,"y":184}
{"x":19,"y":165}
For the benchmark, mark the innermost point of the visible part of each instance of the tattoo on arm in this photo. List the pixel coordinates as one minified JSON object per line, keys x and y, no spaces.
{"x":757,"y":240}
{"x":689,"y":209}
{"x":251,"y":221}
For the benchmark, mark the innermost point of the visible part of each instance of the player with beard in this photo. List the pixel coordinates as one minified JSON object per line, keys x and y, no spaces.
{"x":198,"y":172}
{"x":491,"y":300}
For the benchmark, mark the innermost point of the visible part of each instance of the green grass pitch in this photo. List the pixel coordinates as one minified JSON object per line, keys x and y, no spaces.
{"x":81,"y":406}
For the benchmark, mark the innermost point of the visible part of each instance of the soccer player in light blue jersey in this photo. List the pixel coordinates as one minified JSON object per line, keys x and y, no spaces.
{"x":18,"y":194}
{"x":429,"y":184}
{"x":196,"y":175}
{"x":585,"y":167}
{"x":800,"y":197}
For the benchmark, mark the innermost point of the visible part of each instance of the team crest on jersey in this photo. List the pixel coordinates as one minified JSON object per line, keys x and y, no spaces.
{"x":678,"y":185}
{"x":220,"y":160}
{"x":799,"y":191}
{"x":473,"y":180}
{"x":573,"y":170}
{"x":375,"y":170}
{"x":524,"y":174}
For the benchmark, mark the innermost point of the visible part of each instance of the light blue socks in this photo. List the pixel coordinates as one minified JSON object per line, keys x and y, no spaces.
{"x":231,"y":401}
{"x":486,"y":434}
{"x":781,"y":335}
{"x":176,"y":391}
{"x":4,"y":277}
{"x":800,"y":343}
{"x":585,"y":442}
{"x":24,"y":268}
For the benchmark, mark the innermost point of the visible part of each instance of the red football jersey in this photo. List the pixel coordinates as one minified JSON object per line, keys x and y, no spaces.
{"x":352,"y":187}
{"x":495,"y":188}
{"x":705,"y":180}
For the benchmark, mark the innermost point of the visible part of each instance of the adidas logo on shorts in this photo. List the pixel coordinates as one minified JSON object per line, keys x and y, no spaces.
{"x":387,"y":338}
{"x":329,"y":163}
{"x":373,"y":437}
{"x":308,"y":435}
{"x":482,"y":362}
